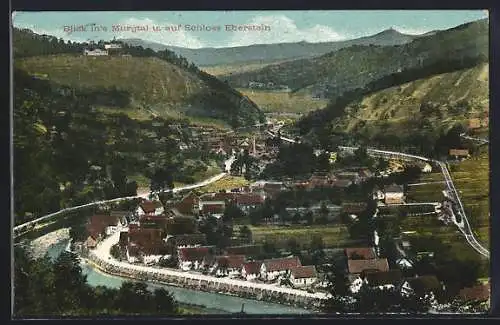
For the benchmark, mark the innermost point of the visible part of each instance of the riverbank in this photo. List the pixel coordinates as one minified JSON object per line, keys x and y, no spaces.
{"x":39,"y":246}
{"x":101,"y":259}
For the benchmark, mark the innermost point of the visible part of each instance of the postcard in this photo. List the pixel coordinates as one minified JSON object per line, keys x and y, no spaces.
{"x":184,"y":163}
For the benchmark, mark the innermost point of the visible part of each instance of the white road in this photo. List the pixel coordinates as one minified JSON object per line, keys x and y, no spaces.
{"x":481,"y":140}
{"x":466,"y":229}
{"x":102,"y":251}
{"x":213,"y":179}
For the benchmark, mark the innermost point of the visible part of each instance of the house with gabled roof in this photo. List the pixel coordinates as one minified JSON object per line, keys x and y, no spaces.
{"x":228,"y":265}
{"x":477,"y":293}
{"x":360,"y":253}
{"x":147,"y":207}
{"x":101,"y":225}
{"x":188,"y":205}
{"x":394,"y":194}
{"x":273,"y":268}
{"x":212,"y":207}
{"x":382,"y":279}
{"x":247,"y":201}
{"x":422,"y":285}
{"x":302,"y":276}
{"x":251,"y":270}
{"x":191,"y":258}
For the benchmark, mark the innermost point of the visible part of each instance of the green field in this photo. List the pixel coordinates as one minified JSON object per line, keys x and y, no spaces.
{"x":273,"y":101}
{"x":471,"y":178}
{"x":226,"y":183}
{"x":332,"y":235}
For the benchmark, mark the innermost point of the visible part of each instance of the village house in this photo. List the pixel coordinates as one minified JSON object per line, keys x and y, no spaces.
{"x":422,"y":285}
{"x":271,"y":269}
{"x":181,"y":225}
{"x":247,"y":201}
{"x":189,"y":204}
{"x":149,"y":208}
{"x":95,"y":52}
{"x":382,"y":280}
{"x":229,"y":265}
{"x":271,"y":190}
{"x":302,"y":276}
{"x":208,"y":208}
{"x":191,"y":258}
{"x":251,"y":270}
{"x":360,"y":253}
{"x":394,"y":194}
{"x":356,"y":267}
{"x":153,"y":221}
{"x":477,"y":293}
{"x":99,"y":226}
{"x":459,"y":153}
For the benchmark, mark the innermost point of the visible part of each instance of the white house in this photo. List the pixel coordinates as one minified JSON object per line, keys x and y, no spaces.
{"x":191,"y":258}
{"x":303,"y":276}
{"x":356,"y":285}
{"x":272,"y":268}
{"x":96,"y":52}
{"x":427,"y":168}
{"x":112,"y":46}
{"x":404,"y":263}
{"x":394,"y":194}
{"x":152,"y":259}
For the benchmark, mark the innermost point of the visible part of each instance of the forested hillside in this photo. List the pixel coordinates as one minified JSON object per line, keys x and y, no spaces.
{"x":335,"y":73}
{"x":158,"y":82}
{"x":68,"y":153}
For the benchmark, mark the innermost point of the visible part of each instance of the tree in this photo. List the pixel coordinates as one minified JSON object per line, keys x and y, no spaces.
{"x":164,"y":302}
{"x":115,"y":252}
{"x":246,"y":233}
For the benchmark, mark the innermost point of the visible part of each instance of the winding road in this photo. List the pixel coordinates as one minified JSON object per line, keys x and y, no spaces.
{"x":210,"y":180}
{"x":463,"y":225}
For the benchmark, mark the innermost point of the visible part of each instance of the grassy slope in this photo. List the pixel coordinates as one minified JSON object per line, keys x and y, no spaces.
{"x":271,"y":101}
{"x":398,"y":105}
{"x":355,"y":66}
{"x":163,"y":88}
{"x":228,"y":69}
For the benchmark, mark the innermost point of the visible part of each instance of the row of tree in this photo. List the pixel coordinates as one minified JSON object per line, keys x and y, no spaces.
{"x":46,"y":288}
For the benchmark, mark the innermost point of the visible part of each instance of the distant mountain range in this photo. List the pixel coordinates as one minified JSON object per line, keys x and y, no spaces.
{"x":273,"y":52}
{"x":354,"y":67}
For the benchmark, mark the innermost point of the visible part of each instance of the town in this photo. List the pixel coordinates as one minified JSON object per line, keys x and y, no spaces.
{"x":210,"y":233}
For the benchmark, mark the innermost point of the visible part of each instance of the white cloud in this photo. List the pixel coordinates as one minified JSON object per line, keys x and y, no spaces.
{"x":283,"y":29}
{"x":173,"y":38}
{"x":412,"y":31}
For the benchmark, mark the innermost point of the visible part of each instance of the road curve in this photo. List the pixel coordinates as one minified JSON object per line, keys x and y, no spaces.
{"x":467,"y":230}
{"x":213,"y":179}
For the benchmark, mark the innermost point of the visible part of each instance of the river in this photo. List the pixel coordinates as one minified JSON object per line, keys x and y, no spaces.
{"x":214,"y":303}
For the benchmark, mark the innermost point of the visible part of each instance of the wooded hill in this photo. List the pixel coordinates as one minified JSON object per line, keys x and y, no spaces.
{"x":158,"y":82}
{"x":335,"y":73}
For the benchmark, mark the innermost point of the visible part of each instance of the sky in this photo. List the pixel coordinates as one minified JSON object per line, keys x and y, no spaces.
{"x":283,"y":26}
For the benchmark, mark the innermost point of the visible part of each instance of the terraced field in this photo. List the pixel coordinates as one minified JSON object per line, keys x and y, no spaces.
{"x":471,"y":178}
